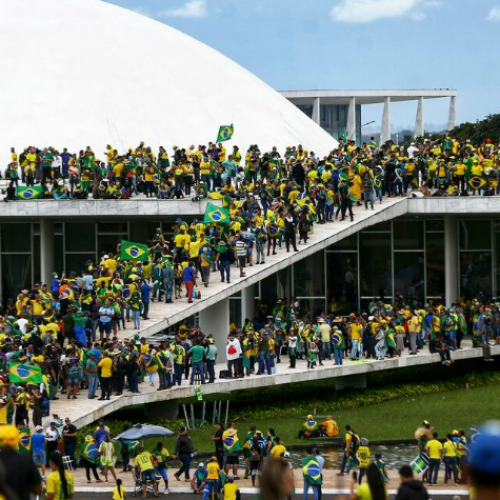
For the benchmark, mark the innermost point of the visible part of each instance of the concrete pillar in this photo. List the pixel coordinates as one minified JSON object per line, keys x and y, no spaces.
{"x":451,"y":259}
{"x":162,"y":409}
{"x":452,"y":116}
{"x":215,"y":320}
{"x":351,"y":119}
{"x":385,"y":132}
{"x":316,"y":114}
{"x":248,"y":303}
{"x":46,"y":250}
{"x":419,"y":122}
{"x":351,"y":382}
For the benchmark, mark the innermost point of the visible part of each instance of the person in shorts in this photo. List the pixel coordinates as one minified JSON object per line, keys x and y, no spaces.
{"x":38,"y":447}
{"x":144,"y":466}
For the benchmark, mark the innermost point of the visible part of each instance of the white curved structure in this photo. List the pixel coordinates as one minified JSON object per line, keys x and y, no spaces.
{"x":85,"y":72}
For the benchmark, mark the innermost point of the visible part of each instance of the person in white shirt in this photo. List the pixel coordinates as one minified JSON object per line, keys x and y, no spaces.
{"x":233,"y":354}
{"x":412,"y":149}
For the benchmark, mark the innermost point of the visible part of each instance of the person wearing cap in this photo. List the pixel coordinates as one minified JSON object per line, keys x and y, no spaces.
{"x":38,"y":448}
{"x":51,"y":437}
{"x":363,"y":456}
{"x":69,"y":434}
{"x":211,"y":484}
{"x":199,"y":476}
{"x":20,"y":476}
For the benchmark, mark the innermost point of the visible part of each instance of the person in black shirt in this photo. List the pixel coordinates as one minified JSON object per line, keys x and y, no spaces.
{"x":19,"y":476}
{"x":69,"y":435}
{"x":219,"y":445}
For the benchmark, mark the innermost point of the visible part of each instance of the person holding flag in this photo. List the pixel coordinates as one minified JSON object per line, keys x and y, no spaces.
{"x":232,"y":446}
{"x":311,"y":473}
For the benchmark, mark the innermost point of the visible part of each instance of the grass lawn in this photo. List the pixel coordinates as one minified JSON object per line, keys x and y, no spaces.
{"x":391,"y":420}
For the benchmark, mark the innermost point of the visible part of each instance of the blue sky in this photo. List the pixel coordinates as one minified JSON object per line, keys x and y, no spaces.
{"x":358,"y":44}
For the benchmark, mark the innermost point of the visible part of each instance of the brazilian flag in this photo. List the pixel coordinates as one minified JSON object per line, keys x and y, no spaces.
{"x":225,"y":133}
{"x":338,"y":339}
{"x":30,"y":374}
{"x":90,"y":451}
{"x":216,"y":215}
{"x":477,"y":182}
{"x":29,"y":192}
{"x":134,"y":251}
{"x":25,"y":441}
{"x":311,"y":471}
{"x":231,"y":442}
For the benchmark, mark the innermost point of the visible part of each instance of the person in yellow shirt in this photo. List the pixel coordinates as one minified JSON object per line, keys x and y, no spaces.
{"x":119,"y":492}
{"x":231,"y":491}
{"x":278,"y":450}
{"x":435,"y":451}
{"x":105,"y":366}
{"x":364,"y":458}
{"x":144,"y":466}
{"x":450,"y":451}
{"x":212,"y":479}
{"x":329,"y":427}
{"x":60,"y":483}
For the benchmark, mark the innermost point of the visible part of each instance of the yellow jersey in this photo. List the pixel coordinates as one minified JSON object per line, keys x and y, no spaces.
{"x":143,"y":460}
{"x":213,"y":470}
{"x":435,"y":448}
{"x":230,"y":491}
{"x":54,"y":485}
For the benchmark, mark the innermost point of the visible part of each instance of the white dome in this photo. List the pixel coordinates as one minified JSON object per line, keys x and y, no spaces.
{"x":85,"y":72}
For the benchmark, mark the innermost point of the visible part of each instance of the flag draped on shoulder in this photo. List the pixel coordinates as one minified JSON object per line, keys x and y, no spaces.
{"x":311,"y":471}
{"x":230,"y":441}
{"x":225,"y":133}
{"x":29,"y":192}
{"x":216,"y":215}
{"x":133,"y":251}
{"x":30,"y":374}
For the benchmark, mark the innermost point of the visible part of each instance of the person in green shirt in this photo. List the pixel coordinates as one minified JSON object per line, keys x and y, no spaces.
{"x":197,"y":352}
{"x":161,"y":456}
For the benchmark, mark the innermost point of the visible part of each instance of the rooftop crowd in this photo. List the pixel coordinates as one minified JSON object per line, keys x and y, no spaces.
{"x":440,"y":167}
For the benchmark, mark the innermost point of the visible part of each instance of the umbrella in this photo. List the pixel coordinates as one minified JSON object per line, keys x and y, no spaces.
{"x":143,"y":431}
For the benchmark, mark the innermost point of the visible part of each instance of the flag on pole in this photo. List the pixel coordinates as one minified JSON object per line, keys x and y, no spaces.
{"x":225,"y":133}
{"x":216,"y":215}
{"x":29,"y":192}
{"x":133,"y":251}
{"x":30,"y":374}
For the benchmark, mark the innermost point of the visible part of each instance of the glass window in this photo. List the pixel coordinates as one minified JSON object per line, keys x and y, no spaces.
{"x":269,"y":289}
{"x":309,"y":276}
{"x":37,"y":272}
{"x":16,"y":237}
{"x":408,"y":235}
{"x":79,"y":236}
{"x":16,"y":273}
{"x":435,"y":264}
{"x":475,"y":234}
{"x":76,"y":261}
{"x":285,"y":282}
{"x":376,"y":265}
{"x":381,"y":226}
{"x":349,"y":243}
{"x":58,"y":254}
{"x":112,"y":227}
{"x":434,"y":225}
{"x":409,"y":275}
{"x":107,"y":243}
{"x":312,"y":307}
{"x":141,"y":232}
{"x":342,"y":282}
{"x":235,"y":311}
{"x":475,"y":274}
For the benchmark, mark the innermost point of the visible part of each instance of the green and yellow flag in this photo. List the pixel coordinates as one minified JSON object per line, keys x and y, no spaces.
{"x":225,"y":133}
{"x":311,"y":471}
{"x":134,"y":251}
{"x":477,"y":182}
{"x":29,"y":192}
{"x":216,"y":215}
{"x":30,"y":374}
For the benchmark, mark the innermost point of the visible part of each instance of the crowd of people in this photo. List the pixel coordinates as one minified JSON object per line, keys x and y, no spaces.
{"x":469,"y":460}
{"x":369,"y":171}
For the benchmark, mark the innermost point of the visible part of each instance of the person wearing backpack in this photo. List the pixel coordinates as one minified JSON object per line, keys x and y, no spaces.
{"x":351,"y":447}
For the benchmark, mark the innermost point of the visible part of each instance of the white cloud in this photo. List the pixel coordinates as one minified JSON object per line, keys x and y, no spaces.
{"x":494,"y":14}
{"x":192,"y":8}
{"x":366,"y":11}
{"x":144,"y":11}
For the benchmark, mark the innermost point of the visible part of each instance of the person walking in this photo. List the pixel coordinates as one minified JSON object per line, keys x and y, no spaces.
{"x":190,"y":275}
{"x":183,"y":451}
{"x":107,"y":453}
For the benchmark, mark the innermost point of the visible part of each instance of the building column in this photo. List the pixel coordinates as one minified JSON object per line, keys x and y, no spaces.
{"x":215,"y":320}
{"x":46,"y":250}
{"x":351,"y":119}
{"x":452,"y":116}
{"x":451,"y":259}
{"x":385,"y":132}
{"x":419,"y":122}
{"x":316,"y":114}
{"x":248,"y":303}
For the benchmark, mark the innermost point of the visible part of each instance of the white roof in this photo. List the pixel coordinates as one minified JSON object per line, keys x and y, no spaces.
{"x":85,"y":72}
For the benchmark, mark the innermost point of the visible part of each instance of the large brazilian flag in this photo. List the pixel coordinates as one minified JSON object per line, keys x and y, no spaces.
{"x":477,"y":182}
{"x":225,"y":133}
{"x":30,"y":374}
{"x":216,"y":215}
{"x":134,"y":251}
{"x":231,"y":442}
{"x":29,"y":192}
{"x":311,"y":471}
